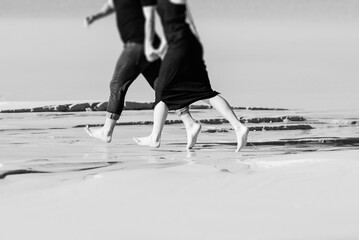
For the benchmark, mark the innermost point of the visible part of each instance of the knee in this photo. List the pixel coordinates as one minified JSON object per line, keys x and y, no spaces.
{"x":114,"y":86}
{"x":120,"y":76}
{"x":118,"y":85}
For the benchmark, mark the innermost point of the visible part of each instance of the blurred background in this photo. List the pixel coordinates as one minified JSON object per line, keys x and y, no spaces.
{"x":301,"y":54}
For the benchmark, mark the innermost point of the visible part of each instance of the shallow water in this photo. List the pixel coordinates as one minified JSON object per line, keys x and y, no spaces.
{"x":57,"y":143}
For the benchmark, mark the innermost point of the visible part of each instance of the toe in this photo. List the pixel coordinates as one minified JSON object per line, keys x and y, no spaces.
{"x":136,"y":140}
{"x":87,"y":129}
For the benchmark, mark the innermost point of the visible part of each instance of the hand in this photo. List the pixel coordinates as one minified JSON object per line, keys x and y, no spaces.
{"x":162,"y":50}
{"x":89,"y":20}
{"x":151,"y":53}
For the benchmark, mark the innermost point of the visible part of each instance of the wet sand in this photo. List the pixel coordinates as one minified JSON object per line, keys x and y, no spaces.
{"x":57,"y":183}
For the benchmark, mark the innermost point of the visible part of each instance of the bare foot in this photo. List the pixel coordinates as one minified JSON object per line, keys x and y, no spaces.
{"x":147,"y":141}
{"x":99,"y":133}
{"x":192,"y":135}
{"x":242,"y":135}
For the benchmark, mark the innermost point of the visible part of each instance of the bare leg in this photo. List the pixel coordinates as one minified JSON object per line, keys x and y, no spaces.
{"x":222,"y":106}
{"x":127,"y":69}
{"x":104,"y":133}
{"x":159,"y":118}
{"x":193,"y":128}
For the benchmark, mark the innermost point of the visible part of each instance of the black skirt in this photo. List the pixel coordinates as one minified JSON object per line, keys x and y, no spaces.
{"x":183,"y":78}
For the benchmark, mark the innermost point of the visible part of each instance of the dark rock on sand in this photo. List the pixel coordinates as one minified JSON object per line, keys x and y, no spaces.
{"x":79,"y":107}
{"x":16,"y":110}
{"x":62,"y":108}
{"x":54,"y":108}
{"x":102,"y":106}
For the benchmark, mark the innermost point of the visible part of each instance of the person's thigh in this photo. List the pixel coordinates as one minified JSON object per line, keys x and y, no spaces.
{"x":127,"y":70}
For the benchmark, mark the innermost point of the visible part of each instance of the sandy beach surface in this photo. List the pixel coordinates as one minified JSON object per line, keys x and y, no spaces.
{"x":288,"y":183}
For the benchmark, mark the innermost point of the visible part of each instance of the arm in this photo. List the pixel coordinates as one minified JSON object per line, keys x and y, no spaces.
{"x":190,"y":21}
{"x":163,"y":48}
{"x":150,"y":52}
{"x":106,"y":10}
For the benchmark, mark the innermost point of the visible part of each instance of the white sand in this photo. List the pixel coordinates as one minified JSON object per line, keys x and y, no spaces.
{"x":267,"y":192}
{"x":307,"y":196}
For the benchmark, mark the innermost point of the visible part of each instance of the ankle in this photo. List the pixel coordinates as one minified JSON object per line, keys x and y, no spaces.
{"x":155,"y":138}
{"x":106,"y":131}
{"x":240,"y":127}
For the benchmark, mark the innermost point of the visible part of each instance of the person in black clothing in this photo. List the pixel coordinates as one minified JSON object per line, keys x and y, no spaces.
{"x":131,"y":63}
{"x":183,"y":78}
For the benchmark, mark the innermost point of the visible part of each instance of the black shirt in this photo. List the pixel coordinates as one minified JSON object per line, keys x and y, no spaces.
{"x":130,"y":19}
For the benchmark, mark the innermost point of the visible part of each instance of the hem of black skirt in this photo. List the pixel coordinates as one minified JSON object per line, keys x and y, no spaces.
{"x":176,"y":107}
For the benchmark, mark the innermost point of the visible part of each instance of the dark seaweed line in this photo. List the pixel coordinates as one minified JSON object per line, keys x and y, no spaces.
{"x":4,"y":174}
{"x":314,"y":141}
{"x":329,"y":141}
{"x":29,"y":129}
{"x":321,"y":141}
{"x":265,"y":128}
{"x":256,"y":120}
{"x":211,"y":121}
{"x":335,"y":123}
{"x":281,"y":128}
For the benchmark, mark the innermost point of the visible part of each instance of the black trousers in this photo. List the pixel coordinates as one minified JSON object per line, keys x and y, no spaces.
{"x":130,"y":65}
